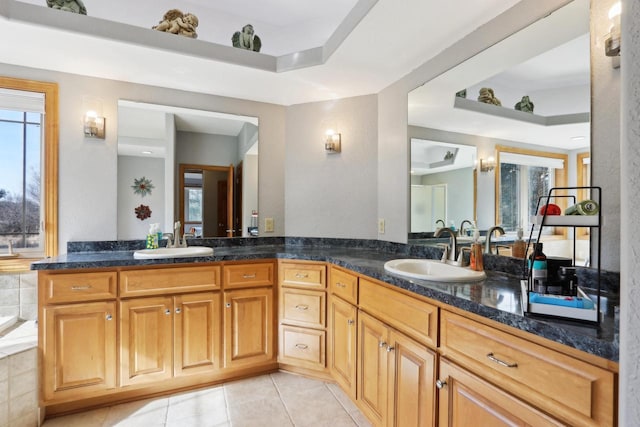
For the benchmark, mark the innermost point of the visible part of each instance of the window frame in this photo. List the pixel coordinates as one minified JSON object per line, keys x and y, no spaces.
{"x":560,"y":178}
{"x":49,"y":168}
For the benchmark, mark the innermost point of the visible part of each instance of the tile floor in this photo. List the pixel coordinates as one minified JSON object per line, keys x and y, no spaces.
{"x":276,"y":400}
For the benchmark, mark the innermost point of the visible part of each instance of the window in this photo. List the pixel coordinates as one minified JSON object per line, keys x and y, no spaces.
{"x":28,"y":169}
{"x":522,"y":177}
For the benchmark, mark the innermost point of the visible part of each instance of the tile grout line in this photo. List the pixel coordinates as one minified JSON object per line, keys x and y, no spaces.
{"x":226,"y":404}
{"x":341,"y":404}
{"x":275,"y":384}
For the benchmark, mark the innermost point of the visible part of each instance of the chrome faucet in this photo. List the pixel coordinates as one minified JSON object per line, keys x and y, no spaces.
{"x":183,"y":244}
{"x":170,"y":238}
{"x":487,"y":243}
{"x":461,"y":229}
{"x":442,"y":221}
{"x":453,"y":241}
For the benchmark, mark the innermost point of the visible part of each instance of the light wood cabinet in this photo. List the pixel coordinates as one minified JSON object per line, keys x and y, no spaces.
{"x":343,"y":344}
{"x":302,"y":308}
{"x":78,"y":344}
{"x":396,"y":376}
{"x":248,"y":327}
{"x":465,"y":398}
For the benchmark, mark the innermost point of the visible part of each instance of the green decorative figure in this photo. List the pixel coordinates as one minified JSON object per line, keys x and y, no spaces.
{"x":75,"y":6}
{"x":462,"y":93}
{"x":525,"y":105}
{"x":488,"y":97}
{"x":247,"y":39}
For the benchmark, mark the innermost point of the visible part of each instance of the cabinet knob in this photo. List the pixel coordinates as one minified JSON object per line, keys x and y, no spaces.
{"x":228,"y":305}
{"x":167,"y":312}
{"x":350,"y":322}
{"x":178,"y":310}
{"x":382,"y":344}
{"x":440,"y":384}
{"x":109,"y":317}
{"x":390,"y":349}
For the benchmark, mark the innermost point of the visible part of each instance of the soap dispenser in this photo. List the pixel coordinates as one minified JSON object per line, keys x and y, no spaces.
{"x":475,"y":257}
{"x":519,"y":248}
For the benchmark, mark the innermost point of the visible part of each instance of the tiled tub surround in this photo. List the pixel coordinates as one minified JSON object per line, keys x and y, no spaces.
{"x":496,"y":298}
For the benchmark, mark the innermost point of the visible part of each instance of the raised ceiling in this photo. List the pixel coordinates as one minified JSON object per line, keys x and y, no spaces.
{"x":388,"y":42}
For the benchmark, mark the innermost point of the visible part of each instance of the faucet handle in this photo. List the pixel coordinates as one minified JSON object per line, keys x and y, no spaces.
{"x":445,"y":251}
{"x":461,"y":261}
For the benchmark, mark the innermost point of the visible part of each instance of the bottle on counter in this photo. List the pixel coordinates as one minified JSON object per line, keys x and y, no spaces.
{"x":538,"y":266}
{"x":475,"y":257}
{"x":519,"y":248}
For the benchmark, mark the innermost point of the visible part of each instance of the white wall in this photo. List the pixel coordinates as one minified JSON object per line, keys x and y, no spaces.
{"x":130,"y":168}
{"x":87,"y":181}
{"x":331,"y":195}
{"x":206,"y":149}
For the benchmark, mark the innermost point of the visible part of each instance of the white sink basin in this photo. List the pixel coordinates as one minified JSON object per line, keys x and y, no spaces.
{"x":435,"y":270}
{"x":191,"y":251}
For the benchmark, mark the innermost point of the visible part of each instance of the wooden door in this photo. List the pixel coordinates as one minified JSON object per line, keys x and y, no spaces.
{"x":372,"y":377}
{"x":79,"y":352}
{"x":249,"y":327}
{"x":197,"y":329}
{"x":412,"y":369}
{"x":466,"y":399}
{"x":222,"y":207}
{"x":343,"y":344}
{"x":146,"y":340}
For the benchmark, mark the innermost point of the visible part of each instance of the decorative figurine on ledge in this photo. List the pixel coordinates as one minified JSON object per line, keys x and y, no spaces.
{"x":75,"y":6}
{"x":175,"y":22}
{"x":487,"y":96}
{"x":462,"y":93}
{"x":246,"y":39}
{"x":525,"y":105}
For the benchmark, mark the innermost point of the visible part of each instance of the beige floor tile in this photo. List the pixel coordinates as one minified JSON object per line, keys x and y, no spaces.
{"x":312,"y":405}
{"x":93,"y":418}
{"x":360,"y":419}
{"x":151,"y":412}
{"x":293,"y":384}
{"x":208,"y":404}
{"x":338,"y":420}
{"x":342,"y":397}
{"x":241,"y":391}
{"x":200,"y":420}
{"x":259,"y":413}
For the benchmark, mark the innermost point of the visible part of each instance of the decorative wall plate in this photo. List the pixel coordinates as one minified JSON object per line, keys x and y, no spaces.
{"x":142,"y":186}
{"x":143,"y":212}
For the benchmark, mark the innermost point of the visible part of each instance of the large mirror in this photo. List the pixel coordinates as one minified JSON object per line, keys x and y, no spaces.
{"x":548,"y":62}
{"x":198,"y":167}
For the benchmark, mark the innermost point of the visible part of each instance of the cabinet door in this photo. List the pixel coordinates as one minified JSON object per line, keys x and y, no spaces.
{"x":146,"y":340}
{"x":197,"y":329}
{"x":79,"y":350}
{"x":372,"y":368}
{"x":342,"y":344}
{"x":412,"y":378}
{"x":464,"y":397}
{"x":248,"y":327}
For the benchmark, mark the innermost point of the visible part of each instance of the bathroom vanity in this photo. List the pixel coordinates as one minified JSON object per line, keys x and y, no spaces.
{"x":407,"y":352}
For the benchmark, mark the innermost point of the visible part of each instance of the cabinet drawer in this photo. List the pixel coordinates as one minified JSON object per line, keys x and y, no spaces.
{"x":344,"y":285}
{"x":302,"y":307}
{"x":416,"y":318}
{"x":571,"y":390}
{"x":302,"y":347}
{"x":163,"y":281}
{"x":248,"y":275}
{"x":303,"y":275}
{"x":76,"y":287}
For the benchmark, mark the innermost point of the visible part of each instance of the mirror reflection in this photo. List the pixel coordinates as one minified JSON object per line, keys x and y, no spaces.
{"x":541,"y":78}
{"x":436,"y":167}
{"x":202,"y":167}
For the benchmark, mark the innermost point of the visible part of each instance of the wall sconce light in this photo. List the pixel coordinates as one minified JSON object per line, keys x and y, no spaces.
{"x":487,"y":165}
{"x":93,"y":125}
{"x":612,"y":40}
{"x":332,"y":142}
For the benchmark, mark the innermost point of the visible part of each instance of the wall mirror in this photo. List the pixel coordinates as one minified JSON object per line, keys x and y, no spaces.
{"x":202,"y":167}
{"x":549,"y":63}
{"x":435,"y":168}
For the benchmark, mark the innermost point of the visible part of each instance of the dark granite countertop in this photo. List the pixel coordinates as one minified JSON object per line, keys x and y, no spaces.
{"x":498,"y":297}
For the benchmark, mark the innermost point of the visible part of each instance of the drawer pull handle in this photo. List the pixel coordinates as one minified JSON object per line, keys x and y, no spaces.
{"x":81,"y":287}
{"x":301,"y":275}
{"x":109,"y":316}
{"x":501,"y":362}
{"x":302,"y":307}
{"x":350,"y":322}
{"x":249,"y":276}
{"x":440,"y":384}
{"x":382,"y":344}
{"x":302,"y":346}
{"x":341,"y":285}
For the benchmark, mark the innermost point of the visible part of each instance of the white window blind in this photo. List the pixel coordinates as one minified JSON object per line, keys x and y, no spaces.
{"x":19,"y":100}
{"x":527,"y":160}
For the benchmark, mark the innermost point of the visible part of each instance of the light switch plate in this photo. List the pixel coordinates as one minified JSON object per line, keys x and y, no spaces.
{"x":380,"y":225}
{"x":268,"y":225}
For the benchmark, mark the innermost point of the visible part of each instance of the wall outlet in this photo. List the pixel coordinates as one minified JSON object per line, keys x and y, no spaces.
{"x":268,"y":225}
{"x":380,"y":225}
